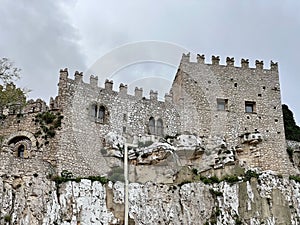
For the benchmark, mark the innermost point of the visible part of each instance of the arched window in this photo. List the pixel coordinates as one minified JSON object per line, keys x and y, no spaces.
{"x":159,"y":127}
{"x":101,"y":114}
{"x":151,"y":125}
{"x":21,"y":150}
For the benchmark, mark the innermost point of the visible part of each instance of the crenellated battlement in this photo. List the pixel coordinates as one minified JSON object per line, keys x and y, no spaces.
{"x":108,"y":87}
{"x":213,"y":116}
{"x":230,"y":62}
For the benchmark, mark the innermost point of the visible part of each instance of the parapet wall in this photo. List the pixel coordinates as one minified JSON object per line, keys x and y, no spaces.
{"x":231,"y":102}
{"x":108,"y":86}
{"x":230,"y":62}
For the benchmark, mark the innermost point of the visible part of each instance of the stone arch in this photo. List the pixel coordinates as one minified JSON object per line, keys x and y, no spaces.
{"x":16,"y":135}
{"x":21,"y":143}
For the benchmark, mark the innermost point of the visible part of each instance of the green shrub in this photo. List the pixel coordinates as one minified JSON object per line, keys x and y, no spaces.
{"x":215,"y":193}
{"x":231,"y":179}
{"x":292,"y":130}
{"x":295,"y":178}
{"x":209,"y":180}
{"x":238,"y":222}
{"x":2,"y":117}
{"x":7,"y":218}
{"x":51,"y":132}
{"x":48,"y":117}
{"x":48,"y":123}
{"x":290,"y":152}
{"x":68,"y":176}
{"x":195,"y":171}
{"x":249,"y":174}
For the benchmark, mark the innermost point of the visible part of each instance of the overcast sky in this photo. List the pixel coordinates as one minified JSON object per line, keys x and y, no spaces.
{"x":43,"y":36}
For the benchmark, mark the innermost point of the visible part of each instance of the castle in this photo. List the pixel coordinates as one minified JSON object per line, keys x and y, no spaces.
{"x":214,"y":117}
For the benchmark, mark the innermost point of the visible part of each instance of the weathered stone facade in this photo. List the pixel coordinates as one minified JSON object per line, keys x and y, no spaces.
{"x":32,"y":199}
{"x":235,"y":103}
{"x":215,"y":116}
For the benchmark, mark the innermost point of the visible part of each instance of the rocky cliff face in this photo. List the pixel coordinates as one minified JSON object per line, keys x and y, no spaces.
{"x":34,"y":199}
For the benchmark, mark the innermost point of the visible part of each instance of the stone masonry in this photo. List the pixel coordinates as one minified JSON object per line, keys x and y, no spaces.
{"x":214,"y":117}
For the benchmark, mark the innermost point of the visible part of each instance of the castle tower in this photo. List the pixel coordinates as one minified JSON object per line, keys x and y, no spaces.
{"x":240,"y":104}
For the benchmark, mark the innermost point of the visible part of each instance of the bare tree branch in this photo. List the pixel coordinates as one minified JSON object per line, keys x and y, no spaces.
{"x":8,"y":72}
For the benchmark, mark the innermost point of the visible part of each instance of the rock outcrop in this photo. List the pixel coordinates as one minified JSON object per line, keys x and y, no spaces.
{"x":33,"y":200}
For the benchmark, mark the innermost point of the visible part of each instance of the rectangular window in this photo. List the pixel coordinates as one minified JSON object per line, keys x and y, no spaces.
{"x":124,"y":129}
{"x":250,"y":107}
{"x":222,"y":104}
{"x":125,"y":117}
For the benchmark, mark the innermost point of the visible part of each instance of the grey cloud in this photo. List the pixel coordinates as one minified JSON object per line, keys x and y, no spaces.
{"x":43,"y":36}
{"x":39,"y":38}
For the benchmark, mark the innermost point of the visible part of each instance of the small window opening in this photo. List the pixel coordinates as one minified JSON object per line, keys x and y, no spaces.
{"x":151,"y":125}
{"x":124,"y":129}
{"x":222,"y":104}
{"x":259,"y":95}
{"x":21,"y":150}
{"x":235,"y":84}
{"x":264,"y":87}
{"x":125,"y":117}
{"x":160,"y":129}
{"x":99,"y":112}
{"x":95,"y":111}
{"x":250,"y":107}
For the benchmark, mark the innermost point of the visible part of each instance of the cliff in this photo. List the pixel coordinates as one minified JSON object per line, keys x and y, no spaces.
{"x":35,"y":199}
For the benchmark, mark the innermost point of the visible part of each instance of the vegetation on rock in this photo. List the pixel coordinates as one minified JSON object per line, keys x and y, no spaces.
{"x":68,"y":176}
{"x":292,"y":131}
{"x":48,"y":123}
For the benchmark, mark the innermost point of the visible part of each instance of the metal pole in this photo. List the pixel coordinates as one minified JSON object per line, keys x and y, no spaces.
{"x":126,"y":184}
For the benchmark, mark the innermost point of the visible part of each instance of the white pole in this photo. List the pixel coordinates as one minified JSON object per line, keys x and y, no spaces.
{"x":126,"y":184}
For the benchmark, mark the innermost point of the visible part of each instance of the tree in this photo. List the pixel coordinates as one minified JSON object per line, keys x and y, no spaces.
{"x":8,"y":72}
{"x":10,"y":95}
{"x":292,"y":131}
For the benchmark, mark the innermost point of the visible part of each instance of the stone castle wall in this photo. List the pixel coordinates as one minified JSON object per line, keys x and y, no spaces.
{"x":126,"y":115}
{"x":202,"y":123}
{"x":197,"y":88}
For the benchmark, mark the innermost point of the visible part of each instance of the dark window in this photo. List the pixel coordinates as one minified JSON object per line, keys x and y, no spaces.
{"x":99,"y":113}
{"x":21,"y":149}
{"x":159,"y":127}
{"x":222,"y":104}
{"x":151,"y":125}
{"x":95,"y":111}
{"x":250,"y":107}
